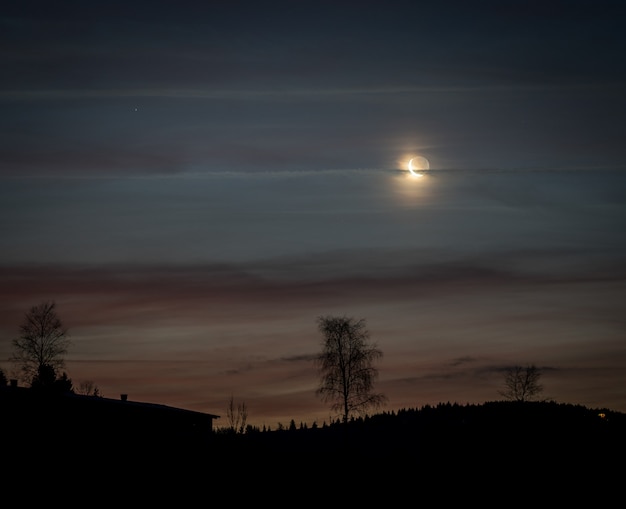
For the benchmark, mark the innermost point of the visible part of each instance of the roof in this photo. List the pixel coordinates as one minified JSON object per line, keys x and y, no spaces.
{"x":75,"y":416}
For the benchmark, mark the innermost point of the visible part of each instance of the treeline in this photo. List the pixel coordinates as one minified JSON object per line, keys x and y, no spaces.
{"x":512,"y":442}
{"x":493,"y":429}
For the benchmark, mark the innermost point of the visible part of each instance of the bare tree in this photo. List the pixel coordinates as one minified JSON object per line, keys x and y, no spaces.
{"x":87,"y":388}
{"x":345,"y":366}
{"x":522,"y":383}
{"x":237,"y":417}
{"x":41,"y":344}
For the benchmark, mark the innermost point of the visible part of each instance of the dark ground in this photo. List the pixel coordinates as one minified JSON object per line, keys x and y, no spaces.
{"x":493,"y":454}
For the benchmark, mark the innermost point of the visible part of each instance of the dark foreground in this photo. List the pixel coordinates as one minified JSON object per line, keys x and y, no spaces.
{"x":496,"y":454}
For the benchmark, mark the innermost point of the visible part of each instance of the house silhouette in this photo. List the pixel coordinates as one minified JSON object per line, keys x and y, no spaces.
{"x":40,"y":415}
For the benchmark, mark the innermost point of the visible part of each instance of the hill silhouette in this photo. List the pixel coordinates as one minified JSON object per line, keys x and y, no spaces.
{"x":528,"y":447}
{"x":495,"y":431}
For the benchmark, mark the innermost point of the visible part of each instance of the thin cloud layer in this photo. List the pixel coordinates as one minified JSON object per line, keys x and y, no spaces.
{"x":195,"y":337}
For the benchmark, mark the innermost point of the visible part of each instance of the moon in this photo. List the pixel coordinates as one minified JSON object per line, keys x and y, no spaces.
{"x":417,"y":164}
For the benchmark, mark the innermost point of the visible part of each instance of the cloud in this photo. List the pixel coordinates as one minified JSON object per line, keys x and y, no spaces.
{"x":462,"y":361}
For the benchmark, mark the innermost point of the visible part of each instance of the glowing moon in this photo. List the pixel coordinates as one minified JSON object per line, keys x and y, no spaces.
{"x":417,"y":164}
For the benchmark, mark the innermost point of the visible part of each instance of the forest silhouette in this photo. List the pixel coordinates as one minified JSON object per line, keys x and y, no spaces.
{"x":498,"y":430}
{"x":505,"y":452}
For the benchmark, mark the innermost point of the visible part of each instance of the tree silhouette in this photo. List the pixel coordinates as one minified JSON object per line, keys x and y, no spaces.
{"x":522,"y":383}
{"x":47,"y":380}
{"x":346,"y":366}
{"x":43,"y":341}
{"x":237,"y":417}
{"x":87,"y":388}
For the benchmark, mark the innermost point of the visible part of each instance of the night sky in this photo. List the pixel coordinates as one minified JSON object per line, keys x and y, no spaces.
{"x":194,"y":183}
